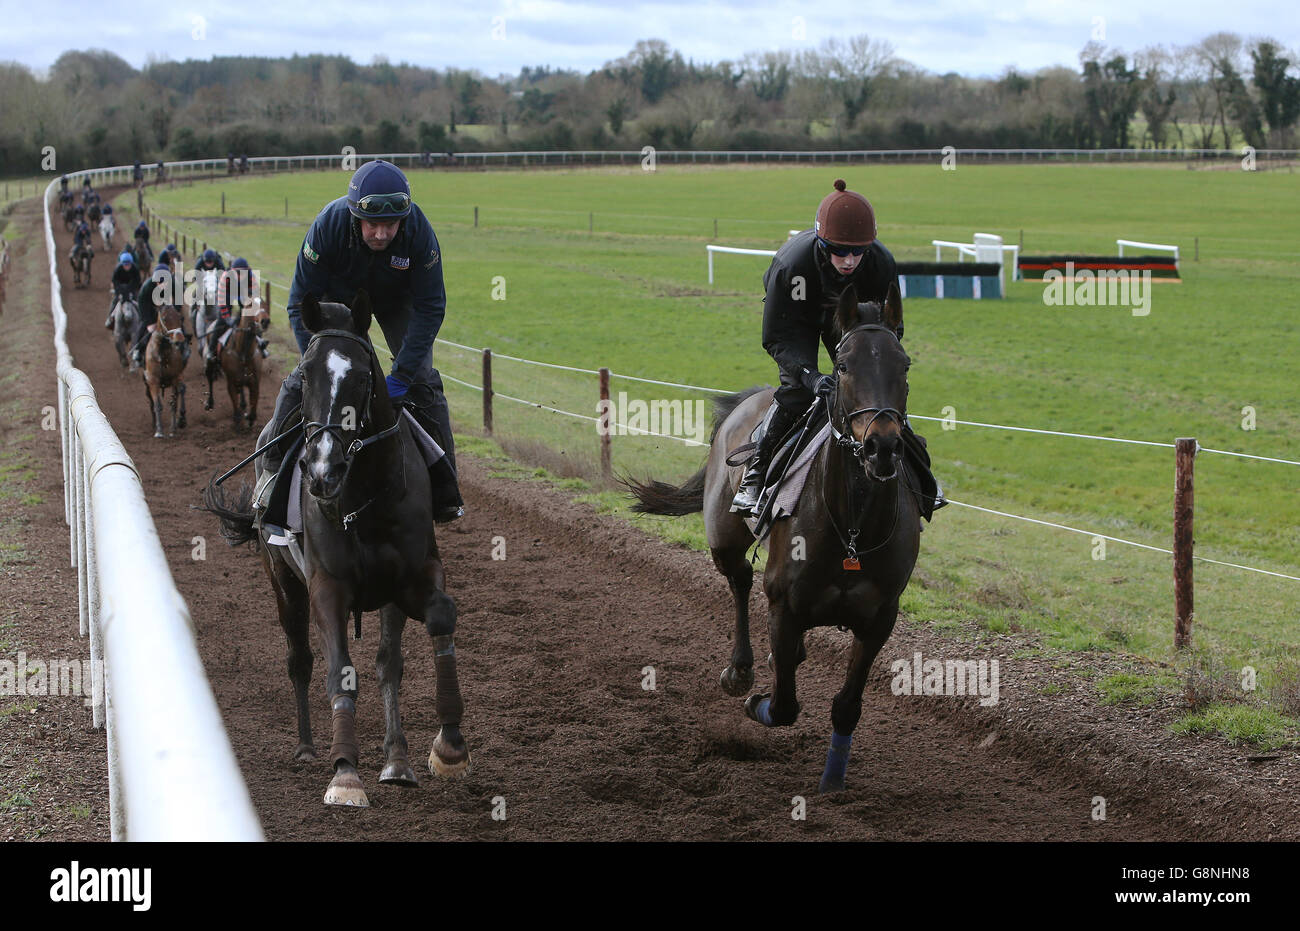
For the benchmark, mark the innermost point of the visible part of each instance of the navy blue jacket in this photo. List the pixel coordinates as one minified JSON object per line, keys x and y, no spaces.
{"x":335,"y":263}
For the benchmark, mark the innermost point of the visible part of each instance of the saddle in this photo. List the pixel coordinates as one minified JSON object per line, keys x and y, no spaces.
{"x":282,"y":514}
{"x":792,"y":461}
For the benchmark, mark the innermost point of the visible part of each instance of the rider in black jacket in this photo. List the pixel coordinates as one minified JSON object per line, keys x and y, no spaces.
{"x":803,"y":284}
{"x":375,"y":238}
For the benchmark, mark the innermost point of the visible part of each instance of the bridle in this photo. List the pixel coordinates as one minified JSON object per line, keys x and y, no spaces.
{"x":336,"y":429}
{"x":858,"y":450}
{"x":846,"y":439}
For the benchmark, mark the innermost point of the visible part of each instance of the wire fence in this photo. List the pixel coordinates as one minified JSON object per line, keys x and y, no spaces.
{"x":614,"y":425}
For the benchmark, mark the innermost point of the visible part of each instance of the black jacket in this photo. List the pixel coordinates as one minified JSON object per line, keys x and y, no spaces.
{"x":125,"y":281}
{"x":803,"y":289}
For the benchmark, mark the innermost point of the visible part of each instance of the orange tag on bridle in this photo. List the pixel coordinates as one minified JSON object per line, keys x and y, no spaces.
{"x":852,"y":564}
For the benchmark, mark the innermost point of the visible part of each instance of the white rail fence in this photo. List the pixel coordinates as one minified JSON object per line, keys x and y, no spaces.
{"x":172,"y":772}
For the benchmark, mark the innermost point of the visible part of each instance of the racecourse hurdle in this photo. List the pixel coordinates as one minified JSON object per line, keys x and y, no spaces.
{"x":172,"y":771}
{"x":1148,"y":246}
{"x":711,"y":249}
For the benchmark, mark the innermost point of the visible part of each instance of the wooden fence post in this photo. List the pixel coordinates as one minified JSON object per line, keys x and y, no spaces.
{"x":1185,"y":455}
{"x":487,"y":391}
{"x":266,"y":296}
{"x":223,"y":203}
{"x":606,"y":458}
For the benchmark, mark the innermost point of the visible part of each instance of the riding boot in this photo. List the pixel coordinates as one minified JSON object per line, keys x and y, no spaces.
{"x":775,"y":423}
{"x":424,"y":404}
{"x":287,"y":404}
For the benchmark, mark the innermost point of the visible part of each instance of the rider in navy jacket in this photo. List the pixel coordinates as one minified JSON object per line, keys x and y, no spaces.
{"x":403,"y":277}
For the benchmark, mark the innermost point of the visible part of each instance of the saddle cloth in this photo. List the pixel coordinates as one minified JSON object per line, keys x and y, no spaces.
{"x":783,"y":496}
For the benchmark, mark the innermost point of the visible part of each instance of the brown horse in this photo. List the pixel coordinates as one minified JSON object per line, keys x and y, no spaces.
{"x":164,"y":361}
{"x":80,"y":258}
{"x":241,"y":363}
{"x":845,"y":556}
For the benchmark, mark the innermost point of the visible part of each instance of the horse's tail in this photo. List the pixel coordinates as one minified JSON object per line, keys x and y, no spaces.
{"x":675,"y":500}
{"x":236,"y":517}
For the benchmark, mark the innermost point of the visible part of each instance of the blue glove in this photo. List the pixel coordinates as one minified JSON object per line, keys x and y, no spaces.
{"x":396,"y":387}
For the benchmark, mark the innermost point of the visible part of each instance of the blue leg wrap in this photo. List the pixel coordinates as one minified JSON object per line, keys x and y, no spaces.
{"x":837,"y":762}
{"x":764,"y":712}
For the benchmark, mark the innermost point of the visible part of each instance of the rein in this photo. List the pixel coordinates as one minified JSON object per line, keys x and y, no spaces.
{"x":336,"y":429}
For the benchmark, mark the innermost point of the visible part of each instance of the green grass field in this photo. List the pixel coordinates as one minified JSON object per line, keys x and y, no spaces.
{"x":633,"y":295}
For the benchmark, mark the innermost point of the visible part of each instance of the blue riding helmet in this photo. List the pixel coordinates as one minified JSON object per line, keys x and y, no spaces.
{"x":209,"y":255}
{"x":142,"y":225}
{"x":171,"y":247}
{"x":239,"y":263}
{"x":379,"y":191}
{"x":126,"y":258}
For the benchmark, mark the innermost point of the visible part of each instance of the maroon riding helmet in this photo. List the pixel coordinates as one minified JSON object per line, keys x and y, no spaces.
{"x":845,"y":218}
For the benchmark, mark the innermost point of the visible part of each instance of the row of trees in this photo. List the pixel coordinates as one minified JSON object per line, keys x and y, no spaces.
{"x":95,"y":108}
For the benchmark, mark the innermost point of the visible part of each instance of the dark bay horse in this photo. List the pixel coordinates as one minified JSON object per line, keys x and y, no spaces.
{"x":845,"y":556}
{"x":367,"y":511}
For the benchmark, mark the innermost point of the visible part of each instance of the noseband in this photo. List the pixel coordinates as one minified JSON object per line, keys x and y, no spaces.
{"x":336,"y":429}
{"x":846,"y":439}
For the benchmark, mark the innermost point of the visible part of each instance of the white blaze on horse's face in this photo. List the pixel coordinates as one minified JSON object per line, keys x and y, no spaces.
{"x":338,"y":365}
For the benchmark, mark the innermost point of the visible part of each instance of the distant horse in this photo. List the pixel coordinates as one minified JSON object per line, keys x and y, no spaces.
{"x":164,"y":361}
{"x":126,"y":329}
{"x":369,"y":543}
{"x":107,"y":230}
{"x":69,"y":216}
{"x":80,"y":259}
{"x":857,"y":525}
{"x":142,"y":253}
{"x":241,"y":363}
{"x":203,"y":314}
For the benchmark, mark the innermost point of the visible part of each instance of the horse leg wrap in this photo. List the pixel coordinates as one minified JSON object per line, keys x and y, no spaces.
{"x":763,"y":711}
{"x":837,"y":762}
{"x":450,"y":708}
{"x":344,"y":748}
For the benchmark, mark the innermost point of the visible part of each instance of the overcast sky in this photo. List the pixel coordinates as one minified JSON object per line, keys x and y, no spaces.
{"x":973,"y":37}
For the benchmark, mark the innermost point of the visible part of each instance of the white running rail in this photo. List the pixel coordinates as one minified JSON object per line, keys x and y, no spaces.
{"x":172,"y":772}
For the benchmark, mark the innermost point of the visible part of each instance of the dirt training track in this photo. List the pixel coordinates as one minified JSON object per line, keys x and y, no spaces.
{"x":553,"y":641}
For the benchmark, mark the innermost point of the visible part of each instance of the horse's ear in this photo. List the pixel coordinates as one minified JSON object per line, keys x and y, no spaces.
{"x":311,"y":312}
{"x":361,"y":313}
{"x":894,"y":308}
{"x":846,"y":314}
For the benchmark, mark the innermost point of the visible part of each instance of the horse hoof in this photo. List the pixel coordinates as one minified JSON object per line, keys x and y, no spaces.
{"x":737,"y":681}
{"x":207,"y":405}
{"x":305,"y":753}
{"x":158,"y":435}
{"x":346,"y":791}
{"x":447,"y":761}
{"x":399,"y":773}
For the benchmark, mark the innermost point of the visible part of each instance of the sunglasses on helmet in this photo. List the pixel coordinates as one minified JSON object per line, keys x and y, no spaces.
{"x":384,"y":203}
{"x":841,"y":251}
